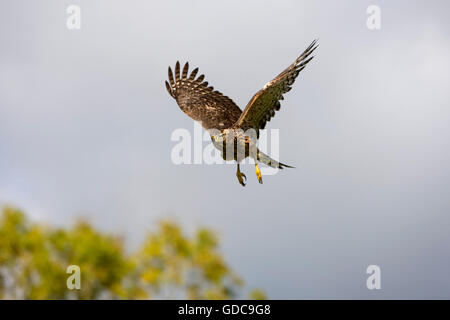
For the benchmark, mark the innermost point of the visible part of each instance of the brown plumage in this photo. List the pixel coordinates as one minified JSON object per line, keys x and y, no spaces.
{"x":216,"y":111}
{"x":200,"y":102}
{"x":266,"y":101}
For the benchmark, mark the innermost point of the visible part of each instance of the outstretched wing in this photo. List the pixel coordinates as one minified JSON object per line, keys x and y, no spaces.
{"x":266,"y":101}
{"x":200,"y":102}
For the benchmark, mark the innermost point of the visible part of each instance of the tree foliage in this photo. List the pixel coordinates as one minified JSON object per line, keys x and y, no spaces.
{"x":168,"y":265}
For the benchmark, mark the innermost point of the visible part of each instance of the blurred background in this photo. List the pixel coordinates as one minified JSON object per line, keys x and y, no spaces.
{"x":85,"y":125}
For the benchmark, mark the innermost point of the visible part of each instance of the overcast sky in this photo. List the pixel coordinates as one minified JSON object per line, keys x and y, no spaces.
{"x":85,"y":125}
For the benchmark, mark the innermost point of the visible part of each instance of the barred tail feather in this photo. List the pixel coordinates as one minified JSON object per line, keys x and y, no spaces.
{"x":264,"y":158}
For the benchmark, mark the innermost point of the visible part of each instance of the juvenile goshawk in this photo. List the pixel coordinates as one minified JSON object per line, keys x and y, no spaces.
{"x":232,"y":131}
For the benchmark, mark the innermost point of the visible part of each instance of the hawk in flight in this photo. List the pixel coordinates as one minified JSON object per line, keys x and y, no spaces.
{"x":233,"y":131}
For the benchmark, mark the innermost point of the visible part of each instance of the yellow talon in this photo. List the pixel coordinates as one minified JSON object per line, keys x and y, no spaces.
{"x":258,"y":173}
{"x":240,"y":176}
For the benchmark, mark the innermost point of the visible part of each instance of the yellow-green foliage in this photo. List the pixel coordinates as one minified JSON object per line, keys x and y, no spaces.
{"x":169,"y":264}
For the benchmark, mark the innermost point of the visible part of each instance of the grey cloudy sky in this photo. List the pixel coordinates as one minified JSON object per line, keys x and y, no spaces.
{"x":85,"y":125}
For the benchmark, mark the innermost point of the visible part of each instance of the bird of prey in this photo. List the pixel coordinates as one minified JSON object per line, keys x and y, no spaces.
{"x":234,"y":132}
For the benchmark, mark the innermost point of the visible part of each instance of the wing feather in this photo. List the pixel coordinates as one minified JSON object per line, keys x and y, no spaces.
{"x":266,"y":101}
{"x":200,"y":78}
{"x":193,"y":74}
{"x":185,"y":70}
{"x":177,"y":71}
{"x":200,"y":101}
{"x":172,"y":82}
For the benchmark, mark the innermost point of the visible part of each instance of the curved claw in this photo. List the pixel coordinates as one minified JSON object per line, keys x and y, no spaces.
{"x":241,"y":178}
